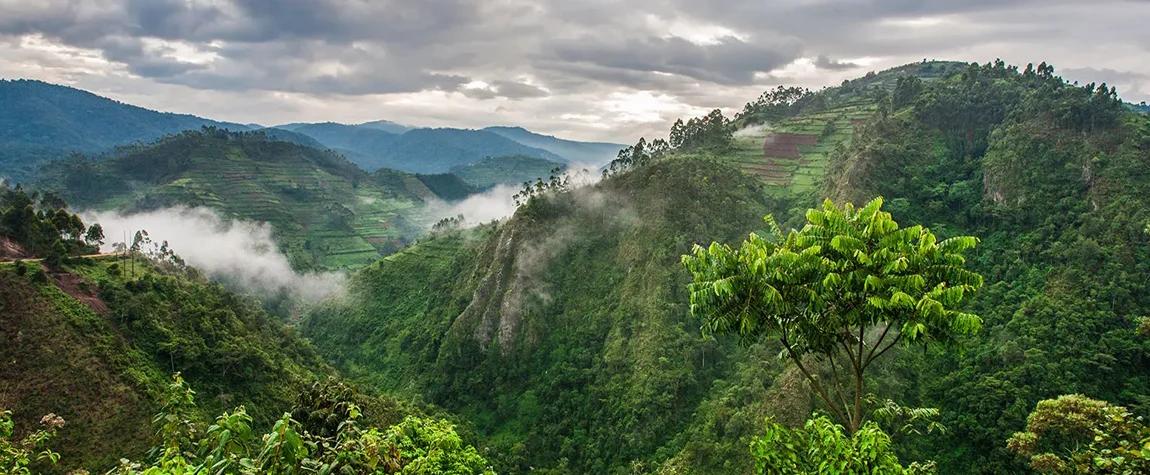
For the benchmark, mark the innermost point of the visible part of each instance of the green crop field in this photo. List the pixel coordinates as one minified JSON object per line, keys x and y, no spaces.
{"x":325,"y":212}
{"x":832,"y":127}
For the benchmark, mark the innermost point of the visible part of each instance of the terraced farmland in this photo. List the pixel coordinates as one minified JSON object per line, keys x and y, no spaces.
{"x":768,"y":152}
{"x":324,"y":211}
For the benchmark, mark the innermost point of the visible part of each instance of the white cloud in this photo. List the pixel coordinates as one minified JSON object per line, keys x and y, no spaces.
{"x":236,"y":251}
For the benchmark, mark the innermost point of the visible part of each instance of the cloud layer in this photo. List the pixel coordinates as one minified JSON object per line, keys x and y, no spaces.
{"x":234,"y":251}
{"x":591,"y":69}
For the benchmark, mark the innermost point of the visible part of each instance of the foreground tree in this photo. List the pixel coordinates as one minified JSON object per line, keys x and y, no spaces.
{"x":338,"y":444}
{"x":822,"y":448}
{"x":1078,"y":435}
{"x":845,"y":290}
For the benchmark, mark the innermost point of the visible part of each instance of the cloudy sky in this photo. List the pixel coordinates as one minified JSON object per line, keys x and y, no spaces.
{"x":583,"y":69}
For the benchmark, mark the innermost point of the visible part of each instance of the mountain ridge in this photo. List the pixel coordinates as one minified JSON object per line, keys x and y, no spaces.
{"x":43,"y":121}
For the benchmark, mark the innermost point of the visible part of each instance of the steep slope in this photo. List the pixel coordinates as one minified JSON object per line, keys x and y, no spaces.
{"x":97,"y":342}
{"x":1055,"y":180}
{"x":324,"y":210}
{"x":510,"y":170}
{"x":587,"y":153}
{"x":566,"y":329}
{"x":41,"y":121}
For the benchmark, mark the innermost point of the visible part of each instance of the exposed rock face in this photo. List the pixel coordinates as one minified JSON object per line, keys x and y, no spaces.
{"x":485,"y":314}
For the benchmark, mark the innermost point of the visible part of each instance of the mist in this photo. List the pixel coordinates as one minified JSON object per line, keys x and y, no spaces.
{"x":752,"y":131}
{"x":492,"y":205}
{"x":240,"y":252}
{"x":498,"y":203}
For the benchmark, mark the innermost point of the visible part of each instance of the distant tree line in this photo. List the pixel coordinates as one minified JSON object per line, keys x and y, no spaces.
{"x":42,"y":224}
{"x":711,"y":132}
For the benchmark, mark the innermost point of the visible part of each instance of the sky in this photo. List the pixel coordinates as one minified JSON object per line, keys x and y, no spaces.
{"x":578,"y":69}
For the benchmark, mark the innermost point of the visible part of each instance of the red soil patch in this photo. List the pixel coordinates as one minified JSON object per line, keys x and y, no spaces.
{"x":858,"y":121}
{"x":9,"y":250}
{"x":787,"y":145}
{"x":81,"y":290}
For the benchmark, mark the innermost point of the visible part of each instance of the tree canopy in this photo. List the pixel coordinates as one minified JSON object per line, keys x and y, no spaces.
{"x":1074,"y":434}
{"x":846,"y":288}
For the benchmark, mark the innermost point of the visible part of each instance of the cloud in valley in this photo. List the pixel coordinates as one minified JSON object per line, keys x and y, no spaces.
{"x":491,"y":205}
{"x":233,"y":251}
{"x":589,"y":70}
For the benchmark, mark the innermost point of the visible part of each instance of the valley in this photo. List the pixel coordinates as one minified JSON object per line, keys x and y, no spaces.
{"x":588,"y":332}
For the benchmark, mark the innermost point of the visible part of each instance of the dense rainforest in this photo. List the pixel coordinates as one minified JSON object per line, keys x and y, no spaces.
{"x":566,"y":334}
{"x":986,"y":315}
{"x":100,"y":348}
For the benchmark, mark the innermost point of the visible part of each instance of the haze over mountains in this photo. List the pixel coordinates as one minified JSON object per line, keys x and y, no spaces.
{"x":40,"y":122}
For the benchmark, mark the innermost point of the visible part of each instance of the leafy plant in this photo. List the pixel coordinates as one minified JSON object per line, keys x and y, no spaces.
{"x":17,"y":455}
{"x":822,"y":447}
{"x":845,"y":289}
{"x":1074,"y":434}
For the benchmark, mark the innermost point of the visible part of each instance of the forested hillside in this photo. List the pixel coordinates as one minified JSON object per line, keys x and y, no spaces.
{"x":563,"y":333}
{"x":582,"y":153}
{"x":566,"y":332}
{"x":1055,"y":180}
{"x":325,"y":211}
{"x":509,"y":170}
{"x":981,"y":308}
{"x":377,"y":145}
{"x":95,"y":340}
{"x":364,"y":146}
{"x":40,"y":122}
{"x":437,"y":150}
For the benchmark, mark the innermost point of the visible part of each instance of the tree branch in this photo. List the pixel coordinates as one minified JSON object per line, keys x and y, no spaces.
{"x":859,"y":383}
{"x":877,"y":343}
{"x":838,"y":384}
{"x":891,"y":345}
{"x":814,"y":382}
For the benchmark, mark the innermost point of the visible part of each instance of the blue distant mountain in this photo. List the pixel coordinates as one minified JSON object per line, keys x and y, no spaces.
{"x":40,"y":122}
{"x":422,"y":150}
{"x":585,"y":153}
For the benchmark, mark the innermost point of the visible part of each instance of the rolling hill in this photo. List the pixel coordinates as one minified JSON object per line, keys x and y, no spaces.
{"x":386,"y":126}
{"x":40,"y":122}
{"x":509,"y":170}
{"x":415,"y":150}
{"x":325,"y":211}
{"x":593,"y":154}
{"x":366,"y":147}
